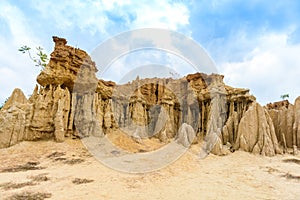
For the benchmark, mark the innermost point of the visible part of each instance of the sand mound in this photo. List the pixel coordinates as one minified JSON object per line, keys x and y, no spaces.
{"x":133,"y":145}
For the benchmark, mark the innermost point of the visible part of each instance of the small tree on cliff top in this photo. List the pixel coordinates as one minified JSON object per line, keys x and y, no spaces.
{"x":284,"y":96}
{"x":41,"y":60}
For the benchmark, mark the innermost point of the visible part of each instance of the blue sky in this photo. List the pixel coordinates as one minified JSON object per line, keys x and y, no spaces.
{"x":255,"y":44}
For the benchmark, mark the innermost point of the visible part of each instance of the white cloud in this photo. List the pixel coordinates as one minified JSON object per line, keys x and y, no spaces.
{"x":138,"y":61}
{"x":16,"y":69}
{"x":161,"y":14}
{"x":69,"y":14}
{"x":18,"y":25}
{"x":99,"y":15}
{"x":270,"y":70}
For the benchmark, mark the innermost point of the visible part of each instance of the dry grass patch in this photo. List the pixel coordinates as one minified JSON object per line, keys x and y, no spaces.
{"x":79,"y":181}
{"x":56,"y":154}
{"x":291,"y":176}
{"x":29,"y":196}
{"x":25,"y":167}
{"x":74,"y":161}
{"x":10,"y":185}
{"x":39,"y":178}
{"x":292,"y":160}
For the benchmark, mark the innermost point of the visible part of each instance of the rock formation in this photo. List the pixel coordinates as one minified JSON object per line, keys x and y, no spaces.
{"x":286,"y":120}
{"x":13,"y":119}
{"x":199,"y":108}
{"x":186,"y":135}
{"x":256,"y":132}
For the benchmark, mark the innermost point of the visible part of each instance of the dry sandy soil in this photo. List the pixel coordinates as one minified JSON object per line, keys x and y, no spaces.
{"x":46,"y":169}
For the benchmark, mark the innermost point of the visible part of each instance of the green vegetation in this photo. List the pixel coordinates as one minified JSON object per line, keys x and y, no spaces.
{"x":284,"y":96}
{"x":1,"y":106}
{"x":41,"y":59}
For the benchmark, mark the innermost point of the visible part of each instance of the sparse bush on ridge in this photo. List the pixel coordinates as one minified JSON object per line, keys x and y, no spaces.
{"x":41,"y":60}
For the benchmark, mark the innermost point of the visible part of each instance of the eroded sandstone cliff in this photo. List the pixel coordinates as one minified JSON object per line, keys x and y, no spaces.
{"x":286,"y":120}
{"x":199,"y":109}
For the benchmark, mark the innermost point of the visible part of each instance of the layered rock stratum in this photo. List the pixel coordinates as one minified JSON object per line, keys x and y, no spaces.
{"x":198,"y":109}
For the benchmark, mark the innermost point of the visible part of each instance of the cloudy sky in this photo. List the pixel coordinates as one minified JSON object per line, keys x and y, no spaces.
{"x":255,"y":44}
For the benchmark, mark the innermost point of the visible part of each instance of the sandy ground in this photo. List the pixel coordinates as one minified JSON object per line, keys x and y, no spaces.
{"x":67,"y":171}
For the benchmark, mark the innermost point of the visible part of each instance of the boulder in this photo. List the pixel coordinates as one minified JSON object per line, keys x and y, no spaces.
{"x":186,"y":135}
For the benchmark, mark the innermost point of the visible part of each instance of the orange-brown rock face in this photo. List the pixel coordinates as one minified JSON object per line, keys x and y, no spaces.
{"x":64,"y":65}
{"x":71,"y":101}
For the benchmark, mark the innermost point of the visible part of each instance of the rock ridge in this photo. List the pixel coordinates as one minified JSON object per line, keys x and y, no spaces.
{"x":198,"y":109}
